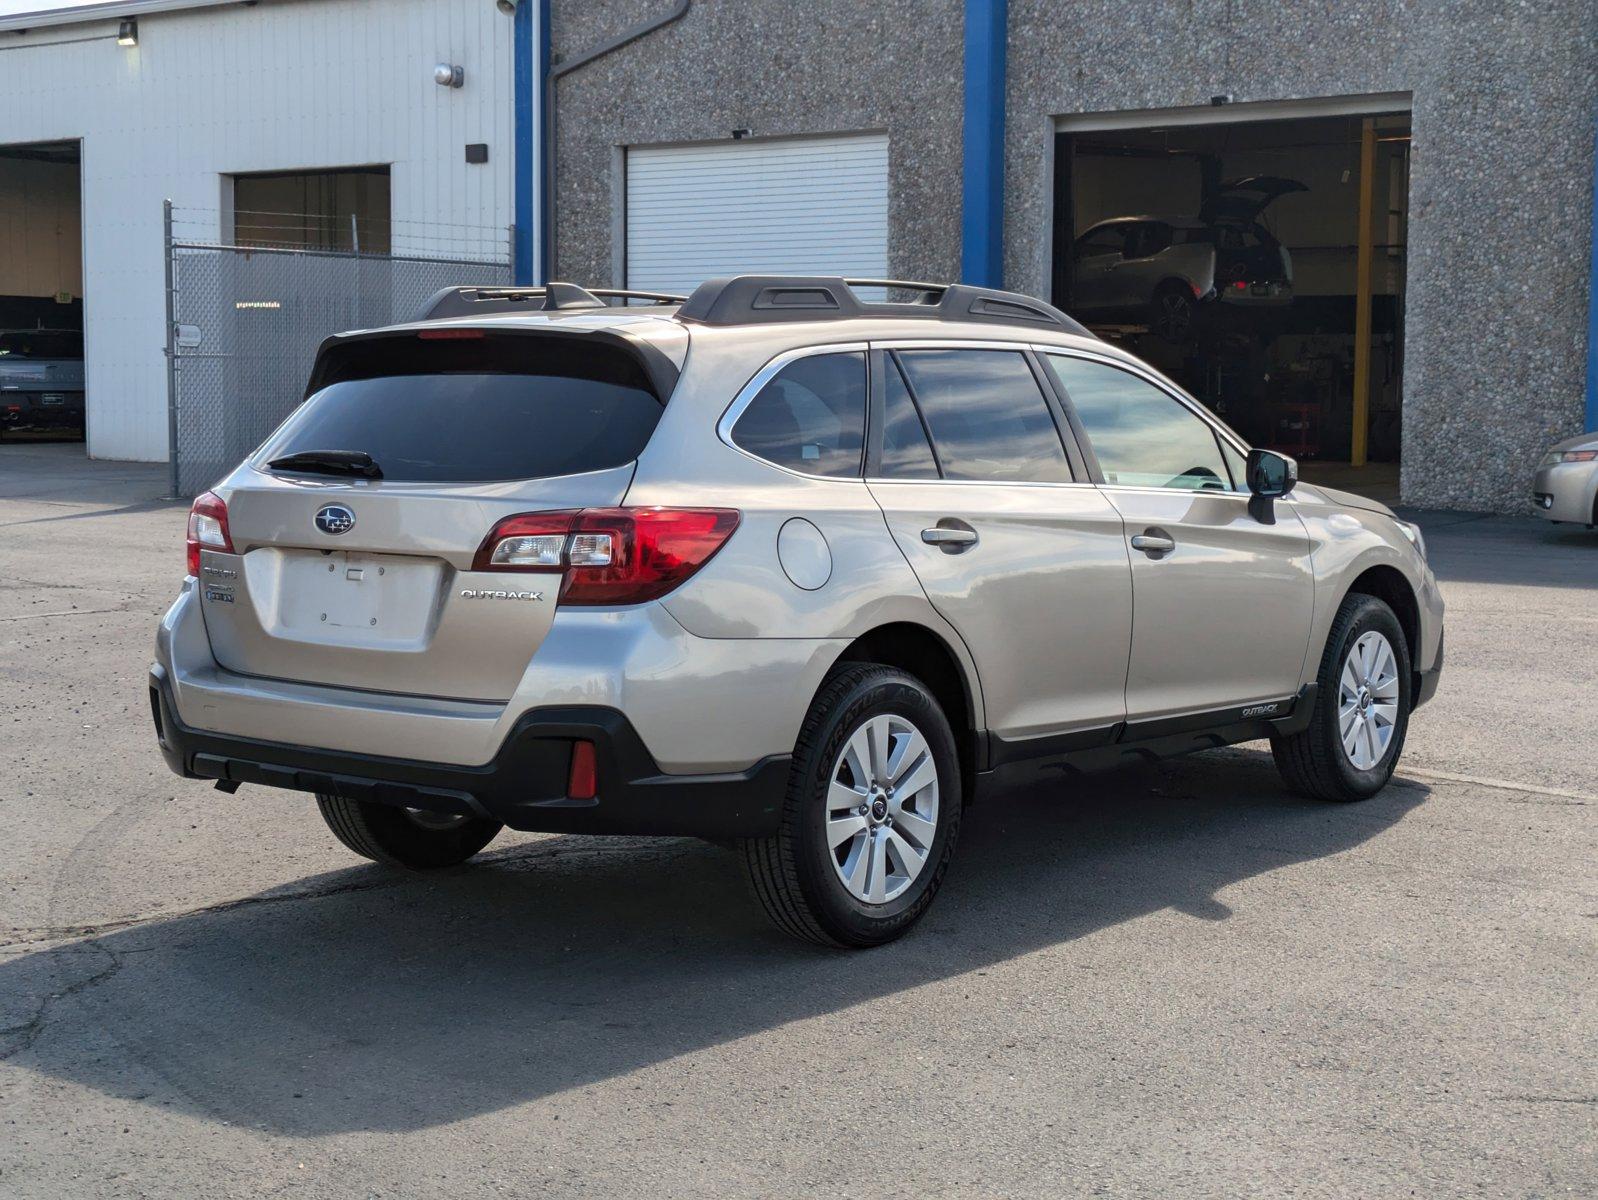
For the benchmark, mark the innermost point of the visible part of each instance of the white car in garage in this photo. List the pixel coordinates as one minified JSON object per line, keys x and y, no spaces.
{"x":1158,"y":270}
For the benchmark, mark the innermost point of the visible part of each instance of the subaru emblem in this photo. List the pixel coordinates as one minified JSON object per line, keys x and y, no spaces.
{"x":334,"y":519}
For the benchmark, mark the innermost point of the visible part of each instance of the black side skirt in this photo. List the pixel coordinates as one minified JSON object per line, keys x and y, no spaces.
{"x":1127,"y":742}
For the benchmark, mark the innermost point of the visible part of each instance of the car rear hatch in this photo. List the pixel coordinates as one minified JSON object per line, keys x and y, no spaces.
{"x":1242,"y":200}
{"x":365,"y":576}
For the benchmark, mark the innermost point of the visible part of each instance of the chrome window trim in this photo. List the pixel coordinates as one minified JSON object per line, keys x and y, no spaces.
{"x":765,"y":375}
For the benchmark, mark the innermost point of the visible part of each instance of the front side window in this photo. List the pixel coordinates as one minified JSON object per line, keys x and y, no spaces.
{"x":1106,"y":240}
{"x":1142,"y":436}
{"x":810,"y":417}
{"x":987,"y":416}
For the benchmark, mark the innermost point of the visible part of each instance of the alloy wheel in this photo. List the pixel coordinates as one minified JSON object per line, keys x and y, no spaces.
{"x":1367,"y":700}
{"x":882,"y":808}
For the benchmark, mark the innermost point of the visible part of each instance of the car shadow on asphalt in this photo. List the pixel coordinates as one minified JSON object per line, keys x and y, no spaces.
{"x":367,"y":1000}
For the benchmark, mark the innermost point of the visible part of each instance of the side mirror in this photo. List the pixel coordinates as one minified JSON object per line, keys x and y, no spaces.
{"x":1271,"y":475}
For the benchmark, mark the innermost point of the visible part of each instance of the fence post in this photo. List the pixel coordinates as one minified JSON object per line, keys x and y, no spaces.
{"x":171,"y":352}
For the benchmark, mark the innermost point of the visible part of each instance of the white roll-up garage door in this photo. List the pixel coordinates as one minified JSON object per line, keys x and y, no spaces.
{"x":806,"y":206}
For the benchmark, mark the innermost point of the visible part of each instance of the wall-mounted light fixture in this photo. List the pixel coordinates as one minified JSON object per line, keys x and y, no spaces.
{"x":128,"y":33}
{"x":447,"y":75}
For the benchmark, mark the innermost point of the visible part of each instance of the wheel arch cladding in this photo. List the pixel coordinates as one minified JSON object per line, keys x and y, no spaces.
{"x":919,"y":651}
{"x":1388,"y":585}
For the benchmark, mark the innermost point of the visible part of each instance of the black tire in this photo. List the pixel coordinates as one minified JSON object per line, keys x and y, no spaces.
{"x":1314,"y":762}
{"x":793,"y":871}
{"x":398,"y":838}
{"x":1173,"y":313}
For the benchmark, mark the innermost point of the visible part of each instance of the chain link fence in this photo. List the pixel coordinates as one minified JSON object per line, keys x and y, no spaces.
{"x":246,"y":323}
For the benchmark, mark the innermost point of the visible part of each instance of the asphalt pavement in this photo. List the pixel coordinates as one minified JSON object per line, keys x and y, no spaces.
{"x":1169,"y":982}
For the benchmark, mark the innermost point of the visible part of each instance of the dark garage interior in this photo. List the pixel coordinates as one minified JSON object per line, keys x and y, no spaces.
{"x":41,"y":291}
{"x":1246,"y":260}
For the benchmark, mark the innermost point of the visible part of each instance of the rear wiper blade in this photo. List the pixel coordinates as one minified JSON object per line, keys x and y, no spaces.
{"x":329,"y":462}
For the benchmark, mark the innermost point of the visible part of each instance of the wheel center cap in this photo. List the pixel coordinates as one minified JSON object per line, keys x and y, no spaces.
{"x":879,"y":809}
{"x":1364,"y":699}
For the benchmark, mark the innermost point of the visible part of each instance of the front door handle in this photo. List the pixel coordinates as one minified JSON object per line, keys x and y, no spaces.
{"x":950,"y":539}
{"x":1153,"y":543}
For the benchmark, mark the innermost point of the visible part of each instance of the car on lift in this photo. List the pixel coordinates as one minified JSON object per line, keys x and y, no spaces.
{"x":41,"y":379}
{"x":1159,"y":270}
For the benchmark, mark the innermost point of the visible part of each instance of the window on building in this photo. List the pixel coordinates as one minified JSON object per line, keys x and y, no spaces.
{"x":344,"y":209}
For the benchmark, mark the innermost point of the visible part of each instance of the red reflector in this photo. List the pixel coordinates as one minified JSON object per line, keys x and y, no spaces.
{"x":1240,"y":284}
{"x":450,"y":335}
{"x":583,"y":783}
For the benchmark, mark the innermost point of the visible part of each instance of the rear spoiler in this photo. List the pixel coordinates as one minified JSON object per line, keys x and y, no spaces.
{"x":659,"y":370}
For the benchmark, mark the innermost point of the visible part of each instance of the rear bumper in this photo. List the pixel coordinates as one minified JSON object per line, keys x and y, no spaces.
{"x":523,"y":786}
{"x":40,"y":409}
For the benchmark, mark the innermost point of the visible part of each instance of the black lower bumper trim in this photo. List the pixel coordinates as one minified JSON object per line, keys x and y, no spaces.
{"x":524,"y":786}
{"x":1426,"y":681}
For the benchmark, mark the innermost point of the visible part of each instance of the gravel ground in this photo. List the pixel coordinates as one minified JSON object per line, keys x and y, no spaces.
{"x":1171,"y":982}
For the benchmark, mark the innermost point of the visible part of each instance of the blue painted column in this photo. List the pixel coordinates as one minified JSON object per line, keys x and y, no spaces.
{"x":982,"y":191}
{"x":1592,"y":301}
{"x":526,"y":80}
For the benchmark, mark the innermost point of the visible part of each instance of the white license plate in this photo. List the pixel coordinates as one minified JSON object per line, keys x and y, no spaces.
{"x":51,"y":399}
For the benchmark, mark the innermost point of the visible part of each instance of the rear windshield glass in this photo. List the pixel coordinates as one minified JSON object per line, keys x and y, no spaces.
{"x":475,"y":410}
{"x":45,"y":343}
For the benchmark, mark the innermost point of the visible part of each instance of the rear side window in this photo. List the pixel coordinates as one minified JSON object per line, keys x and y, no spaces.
{"x":810,"y":417}
{"x":906,"y":453}
{"x":476,"y":410}
{"x":988,"y":418}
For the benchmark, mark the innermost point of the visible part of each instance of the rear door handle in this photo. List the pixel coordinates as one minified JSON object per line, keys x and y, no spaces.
{"x":1153,"y":543}
{"x":949,"y":539}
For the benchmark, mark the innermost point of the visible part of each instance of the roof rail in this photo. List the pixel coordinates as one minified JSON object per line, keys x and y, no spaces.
{"x":756,"y":299}
{"x":476,"y":301}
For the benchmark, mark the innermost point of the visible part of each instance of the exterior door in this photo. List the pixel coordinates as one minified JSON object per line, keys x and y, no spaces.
{"x":1221,"y":602}
{"x":1023,"y":557}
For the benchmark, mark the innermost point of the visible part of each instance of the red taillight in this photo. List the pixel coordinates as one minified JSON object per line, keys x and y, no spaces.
{"x":609,"y":555}
{"x":582,"y":783}
{"x":207,"y":529}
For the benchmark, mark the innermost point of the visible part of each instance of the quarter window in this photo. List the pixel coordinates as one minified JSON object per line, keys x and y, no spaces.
{"x":811,"y":416}
{"x":1141,"y":436}
{"x":987,"y":416}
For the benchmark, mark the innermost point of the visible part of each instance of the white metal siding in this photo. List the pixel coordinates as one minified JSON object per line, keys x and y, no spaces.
{"x":294,"y":85}
{"x":812,"y":206}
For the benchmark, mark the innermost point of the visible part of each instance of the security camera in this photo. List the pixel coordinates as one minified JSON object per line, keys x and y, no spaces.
{"x":508,"y":7}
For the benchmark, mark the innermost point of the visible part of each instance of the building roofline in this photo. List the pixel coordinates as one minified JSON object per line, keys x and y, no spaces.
{"x":105,"y":10}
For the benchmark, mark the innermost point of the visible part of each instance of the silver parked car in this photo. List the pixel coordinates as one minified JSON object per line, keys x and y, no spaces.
{"x":1161,"y":269}
{"x":1566,"y":484}
{"x":772,"y":566}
